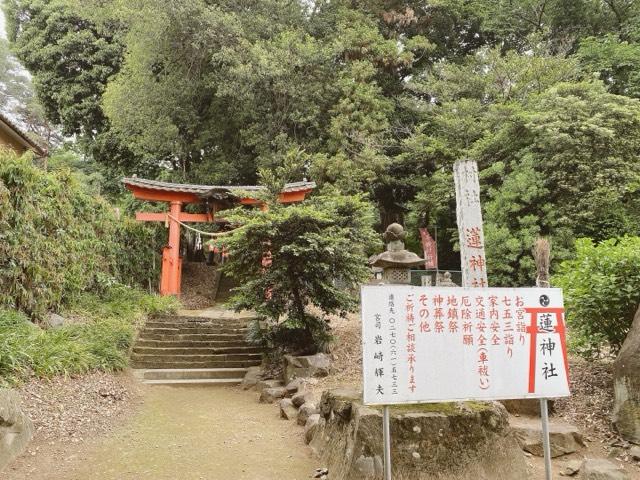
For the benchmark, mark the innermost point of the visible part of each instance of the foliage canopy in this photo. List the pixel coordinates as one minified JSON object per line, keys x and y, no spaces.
{"x":58,"y":240}
{"x":377,"y":97}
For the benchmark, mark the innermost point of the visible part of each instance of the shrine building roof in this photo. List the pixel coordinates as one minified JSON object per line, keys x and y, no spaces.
{"x":210,"y":191}
{"x":14,"y":137}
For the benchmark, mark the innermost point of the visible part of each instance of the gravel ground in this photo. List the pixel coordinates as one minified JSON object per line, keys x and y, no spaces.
{"x":69,"y":409}
{"x":189,"y":433}
{"x":591,"y":401}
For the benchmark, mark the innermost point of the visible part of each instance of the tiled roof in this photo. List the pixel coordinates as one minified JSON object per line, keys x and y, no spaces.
{"x":39,"y":150}
{"x":207,"y":190}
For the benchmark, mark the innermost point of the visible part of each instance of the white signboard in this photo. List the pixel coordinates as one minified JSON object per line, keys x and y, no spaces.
{"x":469,"y":217}
{"x":434,"y":344}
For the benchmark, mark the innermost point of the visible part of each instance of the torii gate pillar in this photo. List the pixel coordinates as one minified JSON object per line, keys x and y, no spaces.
{"x":171,"y":261}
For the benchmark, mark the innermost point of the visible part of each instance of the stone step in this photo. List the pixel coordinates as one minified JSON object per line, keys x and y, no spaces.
{"x":196,"y":381}
{"x":195,"y":330}
{"x":192,"y":343}
{"x":197,"y":357}
{"x":189,"y":326}
{"x":138,"y":349}
{"x":197,"y":337}
{"x":191,"y":373}
{"x":189,"y":319}
{"x":173,"y":364}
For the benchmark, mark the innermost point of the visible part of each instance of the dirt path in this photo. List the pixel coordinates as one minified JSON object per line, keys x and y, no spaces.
{"x":218,"y":433}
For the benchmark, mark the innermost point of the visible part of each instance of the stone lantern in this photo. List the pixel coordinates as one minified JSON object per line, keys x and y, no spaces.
{"x":396,"y":262}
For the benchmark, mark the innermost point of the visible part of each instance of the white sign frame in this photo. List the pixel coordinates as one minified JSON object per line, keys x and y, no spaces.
{"x":443,"y":390}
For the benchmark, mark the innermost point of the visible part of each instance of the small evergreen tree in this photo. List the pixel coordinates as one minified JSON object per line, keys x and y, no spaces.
{"x":318,"y":256}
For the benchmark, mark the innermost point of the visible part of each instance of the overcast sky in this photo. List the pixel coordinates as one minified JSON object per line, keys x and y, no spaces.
{"x":2,"y":33}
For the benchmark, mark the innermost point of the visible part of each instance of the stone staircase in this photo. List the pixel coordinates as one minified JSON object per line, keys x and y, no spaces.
{"x":194,"y":350}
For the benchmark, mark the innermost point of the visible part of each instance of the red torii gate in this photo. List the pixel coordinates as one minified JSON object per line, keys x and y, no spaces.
{"x":215,"y":198}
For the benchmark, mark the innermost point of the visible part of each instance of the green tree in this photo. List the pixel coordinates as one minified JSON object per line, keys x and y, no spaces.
{"x":616,"y":61}
{"x":318,"y":253}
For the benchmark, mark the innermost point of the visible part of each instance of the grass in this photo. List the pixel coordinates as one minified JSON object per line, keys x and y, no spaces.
{"x":99,"y":336}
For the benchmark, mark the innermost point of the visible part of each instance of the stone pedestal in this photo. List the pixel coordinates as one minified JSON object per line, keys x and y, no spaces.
{"x":16,"y":428}
{"x":626,"y":378}
{"x":470,"y":441}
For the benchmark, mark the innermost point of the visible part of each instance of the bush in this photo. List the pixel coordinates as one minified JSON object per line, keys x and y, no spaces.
{"x":99,"y":339}
{"x":58,"y":240}
{"x":602,"y":292}
{"x":318,"y":250}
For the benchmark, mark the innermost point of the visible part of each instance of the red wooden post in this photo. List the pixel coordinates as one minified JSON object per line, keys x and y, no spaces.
{"x":171,"y":262}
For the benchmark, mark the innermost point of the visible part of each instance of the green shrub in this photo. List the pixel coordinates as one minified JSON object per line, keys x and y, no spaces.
{"x":602,"y":292}
{"x":99,"y":339}
{"x":57,"y":240}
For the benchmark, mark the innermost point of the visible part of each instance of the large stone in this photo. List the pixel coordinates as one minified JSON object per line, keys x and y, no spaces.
{"x":16,"y":429}
{"x":301,"y":398}
{"x":294,"y":385}
{"x":564,"y":438}
{"x":470,"y":441}
{"x":53,"y":320}
{"x":311,"y":427}
{"x":339,"y":401}
{"x":598,"y":469}
{"x":525,"y":406}
{"x":270,"y":395}
{"x":318,"y":365}
{"x":251,"y":378}
{"x":306,"y":411}
{"x":287,"y":409}
{"x":626,"y":378}
{"x":571,"y":468}
{"x":269,"y":383}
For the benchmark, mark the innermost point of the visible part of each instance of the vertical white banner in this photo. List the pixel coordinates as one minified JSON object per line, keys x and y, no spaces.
{"x":469,"y":216}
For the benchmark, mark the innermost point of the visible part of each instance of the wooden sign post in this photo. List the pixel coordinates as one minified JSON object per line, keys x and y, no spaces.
{"x":469,"y":215}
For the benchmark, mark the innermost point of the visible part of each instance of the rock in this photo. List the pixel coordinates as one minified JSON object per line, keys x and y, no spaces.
{"x":365,"y":466}
{"x":626,"y":384}
{"x":634,"y":453}
{"x":54,"y":321}
{"x":318,"y":365}
{"x":270,"y":395}
{"x":339,"y":401}
{"x":294,"y":385}
{"x":564,"y":438}
{"x":301,"y":398}
{"x":271,"y":383}
{"x":251,"y":378}
{"x":470,"y":441}
{"x":525,"y":406}
{"x":571,"y":468}
{"x":306,"y":411}
{"x":311,"y":427}
{"x":598,"y":469}
{"x":320,"y":472}
{"x":287,"y":410}
{"x":16,"y":429}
